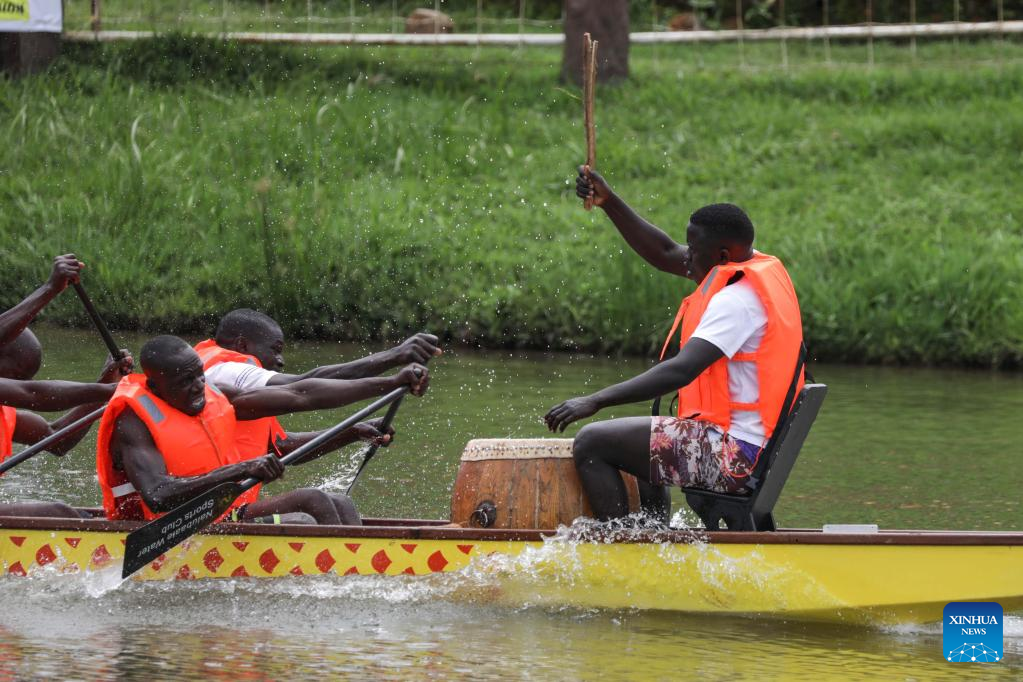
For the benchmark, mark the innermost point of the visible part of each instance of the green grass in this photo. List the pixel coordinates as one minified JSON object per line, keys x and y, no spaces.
{"x":367,"y":192}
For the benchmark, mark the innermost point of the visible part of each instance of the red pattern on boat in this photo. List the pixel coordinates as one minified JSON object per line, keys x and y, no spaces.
{"x":380,"y":561}
{"x":100,"y":556}
{"x":437,"y":562}
{"x":325,"y":561}
{"x":213,"y":560}
{"x":45,"y":555}
{"x":268,"y":561}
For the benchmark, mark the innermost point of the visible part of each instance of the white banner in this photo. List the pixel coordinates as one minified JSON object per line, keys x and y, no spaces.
{"x":30,"y":16}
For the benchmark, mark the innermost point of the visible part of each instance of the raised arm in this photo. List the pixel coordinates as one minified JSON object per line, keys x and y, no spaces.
{"x":66,"y":269}
{"x":670,"y":375}
{"x":321,"y":394}
{"x":419,"y":348}
{"x":649,"y":241}
{"x":133,"y":447}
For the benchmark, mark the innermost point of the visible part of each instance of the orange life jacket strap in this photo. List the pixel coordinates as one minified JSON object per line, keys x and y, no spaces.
{"x":674,"y":327}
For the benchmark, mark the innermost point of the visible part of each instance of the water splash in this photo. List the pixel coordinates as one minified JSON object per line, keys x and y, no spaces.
{"x":341,"y":475}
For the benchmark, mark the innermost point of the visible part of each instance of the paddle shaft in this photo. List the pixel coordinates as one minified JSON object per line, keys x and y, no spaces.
{"x":388,"y":418}
{"x":393,"y":397}
{"x":115,"y":352}
{"x":147,"y":543}
{"x":34,"y":450}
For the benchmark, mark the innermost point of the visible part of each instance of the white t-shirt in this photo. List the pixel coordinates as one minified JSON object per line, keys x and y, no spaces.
{"x":241,"y":375}
{"x":735,"y":322}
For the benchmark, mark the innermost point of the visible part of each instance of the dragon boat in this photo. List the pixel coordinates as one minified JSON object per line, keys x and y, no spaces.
{"x":884,"y":576}
{"x":506,"y":540}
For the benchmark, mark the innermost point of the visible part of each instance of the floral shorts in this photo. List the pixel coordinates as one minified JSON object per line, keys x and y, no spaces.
{"x":693,"y":454}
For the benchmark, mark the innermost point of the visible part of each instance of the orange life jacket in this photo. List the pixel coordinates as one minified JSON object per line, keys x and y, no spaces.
{"x":8,"y":418}
{"x":255,"y":437}
{"x":707,"y":397}
{"x":191,"y":446}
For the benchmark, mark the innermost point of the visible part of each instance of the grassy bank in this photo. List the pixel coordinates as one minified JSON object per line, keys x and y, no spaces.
{"x":367,"y":192}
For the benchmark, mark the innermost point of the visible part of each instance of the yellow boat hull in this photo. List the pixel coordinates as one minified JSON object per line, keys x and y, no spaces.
{"x":888,"y":581}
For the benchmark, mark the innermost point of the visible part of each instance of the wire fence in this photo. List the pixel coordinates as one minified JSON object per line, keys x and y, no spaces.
{"x":522,"y":23}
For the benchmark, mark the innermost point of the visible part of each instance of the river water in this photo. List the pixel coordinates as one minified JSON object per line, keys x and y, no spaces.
{"x":904,"y":448}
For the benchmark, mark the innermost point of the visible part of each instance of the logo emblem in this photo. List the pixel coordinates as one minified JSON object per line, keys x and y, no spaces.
{"x":14,"y":10}
{"x":972,"y":632}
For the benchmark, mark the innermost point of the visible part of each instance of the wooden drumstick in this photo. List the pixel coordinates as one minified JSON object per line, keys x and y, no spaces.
{"x":589,"y":89}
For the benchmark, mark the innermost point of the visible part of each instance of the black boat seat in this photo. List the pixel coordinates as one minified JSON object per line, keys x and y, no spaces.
{"x":754,"y":511}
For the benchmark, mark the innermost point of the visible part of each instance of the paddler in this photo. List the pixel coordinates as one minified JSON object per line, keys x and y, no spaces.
{"x":19,"y":361}
{"x":247,"y":352}
{"x":168,"y":436}
{"x":739,"y":361}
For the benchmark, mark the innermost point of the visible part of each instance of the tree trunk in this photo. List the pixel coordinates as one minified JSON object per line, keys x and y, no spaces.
{"x":608,"y":22}
{"x":22,"y":54}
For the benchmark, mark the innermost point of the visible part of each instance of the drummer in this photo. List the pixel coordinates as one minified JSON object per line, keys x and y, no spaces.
{"x":168,"y":436}
{"x":738,"y":365}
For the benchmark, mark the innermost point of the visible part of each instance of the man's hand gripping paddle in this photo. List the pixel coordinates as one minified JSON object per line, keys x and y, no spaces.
{"x":147,"y":543}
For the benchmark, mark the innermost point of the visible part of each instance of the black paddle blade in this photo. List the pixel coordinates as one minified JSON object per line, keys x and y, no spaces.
{"x":156,"y":537}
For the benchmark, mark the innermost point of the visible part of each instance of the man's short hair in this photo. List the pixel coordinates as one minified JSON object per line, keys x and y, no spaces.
{"x":161,"y":353}
{"x":726,"y":222}
{"x":21,"y":358}
{"x":243,"y":322}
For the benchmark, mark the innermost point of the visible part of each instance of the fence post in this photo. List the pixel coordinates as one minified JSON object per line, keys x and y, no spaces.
{"x":784,"y":42}
{"x":96,"y":21}
{"x":827,"y":38}
{"x":1001,"y":29}
{"x":741,"y":25}
{"x":912,"y":21}
{"x":955,"y":19}
{"x":870,"y":32}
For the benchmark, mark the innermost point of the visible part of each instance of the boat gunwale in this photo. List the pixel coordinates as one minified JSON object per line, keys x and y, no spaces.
{"x":432,"y":529}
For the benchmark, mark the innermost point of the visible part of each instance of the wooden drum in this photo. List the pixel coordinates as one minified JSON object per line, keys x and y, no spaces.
{"x":522,"y":483}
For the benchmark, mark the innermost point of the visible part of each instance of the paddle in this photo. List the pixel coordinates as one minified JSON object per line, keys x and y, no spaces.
{"x":388,"y":418}
{"x":115,"y":352}
{"x":156,"y":537}
{"x":30,"y":452}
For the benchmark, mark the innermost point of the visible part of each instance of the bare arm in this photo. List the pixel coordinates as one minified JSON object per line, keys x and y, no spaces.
{"x":649,"y":241}
{"x":30,"y":428}
{"x":320,"y":394}
{"x":419,"y":348}
{"x":50,"y":396}
{"x":133,"y":447}
{"x":14,"y":321}
{"x":670,"y":375}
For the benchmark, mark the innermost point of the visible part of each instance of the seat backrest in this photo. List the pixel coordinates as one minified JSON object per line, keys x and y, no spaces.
{"x":783,"y":456}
